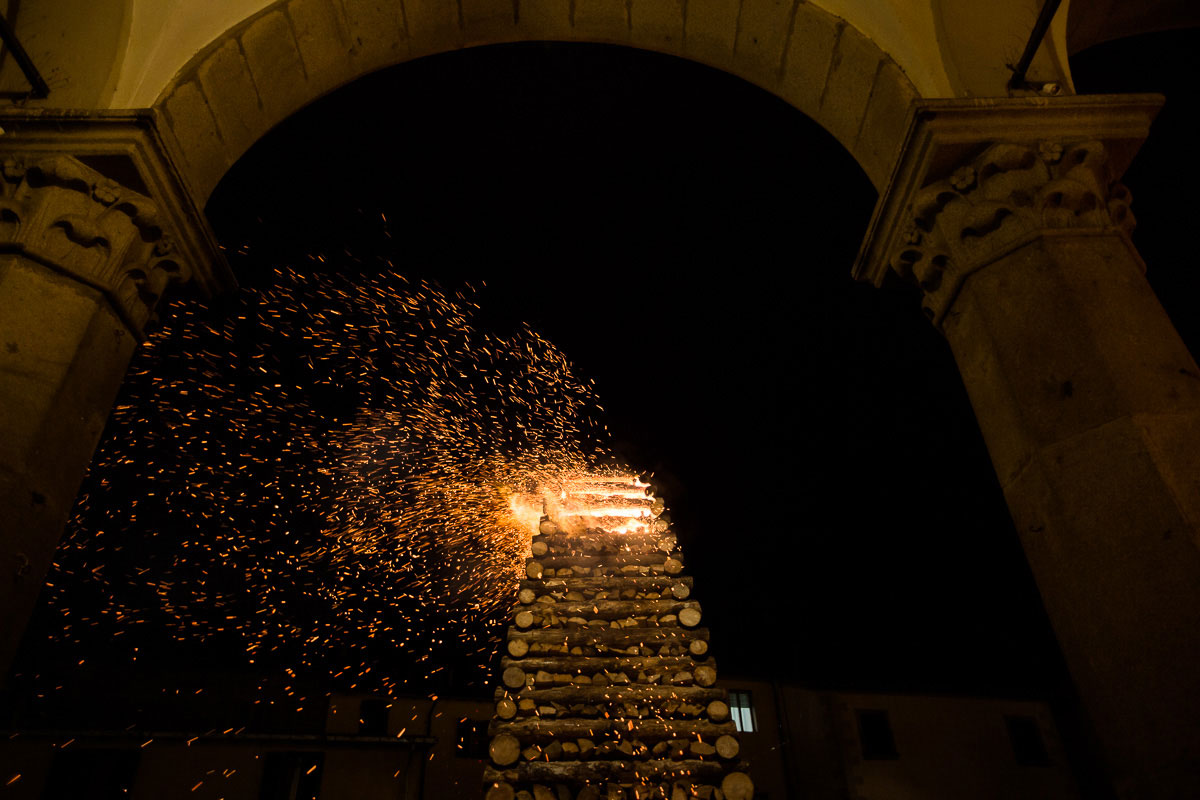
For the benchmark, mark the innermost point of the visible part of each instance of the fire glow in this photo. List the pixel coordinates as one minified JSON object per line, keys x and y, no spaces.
{"x":579,"y":503}
{"x":333,"y":455}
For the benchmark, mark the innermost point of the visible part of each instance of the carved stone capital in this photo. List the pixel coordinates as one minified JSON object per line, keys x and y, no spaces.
{"x":977,"y":179}
{"x":96,"y":198}
{"x":1003,"y":198}
{"x":72,"y":219}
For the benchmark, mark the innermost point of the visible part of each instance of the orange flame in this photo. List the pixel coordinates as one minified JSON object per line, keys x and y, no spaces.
{"x":587,"y":501}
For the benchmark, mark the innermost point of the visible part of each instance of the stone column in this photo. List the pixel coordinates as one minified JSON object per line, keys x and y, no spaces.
{"x":84,"y":259}
{"x":1008,"y":216}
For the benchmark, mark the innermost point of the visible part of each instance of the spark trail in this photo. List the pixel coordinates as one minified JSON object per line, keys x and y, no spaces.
{"x":321,"y":476}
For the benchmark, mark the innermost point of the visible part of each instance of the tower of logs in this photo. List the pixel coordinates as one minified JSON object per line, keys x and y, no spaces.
{"x":608,"y":690}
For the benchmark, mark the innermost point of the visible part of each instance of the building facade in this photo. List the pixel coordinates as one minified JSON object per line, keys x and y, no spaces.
{"x":362,"y":747}
{"x":801,"y":743}
{"x":1000,"y":197}
{"x":874,"y":746}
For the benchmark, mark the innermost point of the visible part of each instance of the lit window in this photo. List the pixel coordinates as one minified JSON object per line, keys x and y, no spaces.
{"x":875,"y":734}
{"x":742,"y":711}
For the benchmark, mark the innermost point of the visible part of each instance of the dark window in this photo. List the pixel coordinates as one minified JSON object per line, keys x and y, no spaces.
{"x":875,"y":734}
{"x":291,"y":776}
{"x":100,"y":773}
{"x":472,"y":739}
{"x":741,"y":708}
{"x":1029,"y":749}
{"x":373,"y":717}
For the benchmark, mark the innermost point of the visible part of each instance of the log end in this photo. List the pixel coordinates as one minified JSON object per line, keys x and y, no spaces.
{"x":504,"y":749}
{"x":500,"y":791}
{"x":737,"y":786}
{"x":727,"y":746}
{"x":506,"y":708}
{"x":514,"y":677}
{"x":718,"y":711}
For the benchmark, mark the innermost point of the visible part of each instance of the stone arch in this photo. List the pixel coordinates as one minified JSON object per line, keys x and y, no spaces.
{"x":294,"y":51}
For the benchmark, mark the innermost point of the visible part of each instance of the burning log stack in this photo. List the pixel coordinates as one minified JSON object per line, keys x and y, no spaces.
{"x":608,"y":691}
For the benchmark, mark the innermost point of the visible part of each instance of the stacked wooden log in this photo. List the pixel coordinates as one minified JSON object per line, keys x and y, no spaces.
{"x":608,"y":692}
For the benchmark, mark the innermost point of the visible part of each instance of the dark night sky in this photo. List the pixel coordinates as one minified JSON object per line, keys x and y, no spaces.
{"x":810,"y":434}
{"x":686,"y":240}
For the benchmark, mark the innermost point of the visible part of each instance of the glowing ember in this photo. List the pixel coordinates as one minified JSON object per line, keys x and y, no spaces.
{"x":337,"y":471}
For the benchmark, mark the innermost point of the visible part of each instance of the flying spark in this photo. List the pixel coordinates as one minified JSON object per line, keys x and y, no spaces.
{"x":328,"y":474}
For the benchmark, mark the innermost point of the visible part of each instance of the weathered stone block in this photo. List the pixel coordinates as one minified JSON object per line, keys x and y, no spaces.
{"x":321,"y":39}
{"x":763,"y":30}
{"x":377,"y":33}
{"x":1046,"y":354}
{"x":275,"y":64}
{"x":233,"y":98}
{"x":709,"y":31}
{"x":658,"y":24}
{"x":192,"y":124}
{"x":809,"y":53}
{"x":38,"y":356}
{"x":65,"y":351}
{"x":1169,"y":441}
{"x":604,"y":20}
{"x":486,"y":21}
{"x":1119,"y":573}
{"x":851,"y":76}
{"x":545,"y":19}
{"x":885,"y":123}
{"x":434,"y":26}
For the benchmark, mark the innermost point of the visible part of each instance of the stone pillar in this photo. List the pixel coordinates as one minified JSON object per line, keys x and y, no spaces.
{"x":1008,"y":216}
{"x":84,"y":259}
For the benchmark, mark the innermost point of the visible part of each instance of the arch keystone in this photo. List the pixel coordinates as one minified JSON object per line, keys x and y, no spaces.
{"x":545,"y":19}
{"x":606,"y":20}
{"x":657,"y":24}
